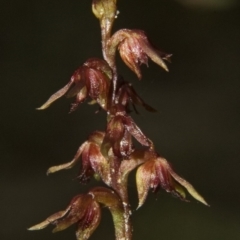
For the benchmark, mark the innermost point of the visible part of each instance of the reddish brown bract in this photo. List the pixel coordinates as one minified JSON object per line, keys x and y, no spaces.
{"x":92,"y":79}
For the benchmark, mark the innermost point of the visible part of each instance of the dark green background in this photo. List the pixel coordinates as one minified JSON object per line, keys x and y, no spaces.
{"x":197,"y":127}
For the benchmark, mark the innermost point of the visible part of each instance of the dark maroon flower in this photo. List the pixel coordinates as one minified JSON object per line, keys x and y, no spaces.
{"x":156,"y":172}
{"x":91,"y":79}
{"x":120,"y":129}
{"x":126,"y":95}
{"x":135,"y":48}
{"x":83,"y":210}
{"x":92,"y":160}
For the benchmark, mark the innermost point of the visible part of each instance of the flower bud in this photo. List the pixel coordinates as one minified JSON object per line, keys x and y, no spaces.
{"x":104,"y":8}
{"x":106,"y":12}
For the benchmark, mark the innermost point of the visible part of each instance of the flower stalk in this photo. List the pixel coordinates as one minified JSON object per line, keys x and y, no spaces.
{"x":106,"y":12}
{"x":110,"y":155}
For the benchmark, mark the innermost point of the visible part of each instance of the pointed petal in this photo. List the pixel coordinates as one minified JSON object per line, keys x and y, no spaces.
{"x":135,"y":131}
{"x":49,"y":220}
{"x":138,"y":100}
{"x":69,"y":164}
{"x":186,"y":185}
{"x":155,"y":57}
{"x":55,"y":96}
{"x":143,"y":179}
{"x":39,"y":226}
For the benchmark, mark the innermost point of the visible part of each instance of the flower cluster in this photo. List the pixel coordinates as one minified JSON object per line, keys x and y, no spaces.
{"x":110,"y":155}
